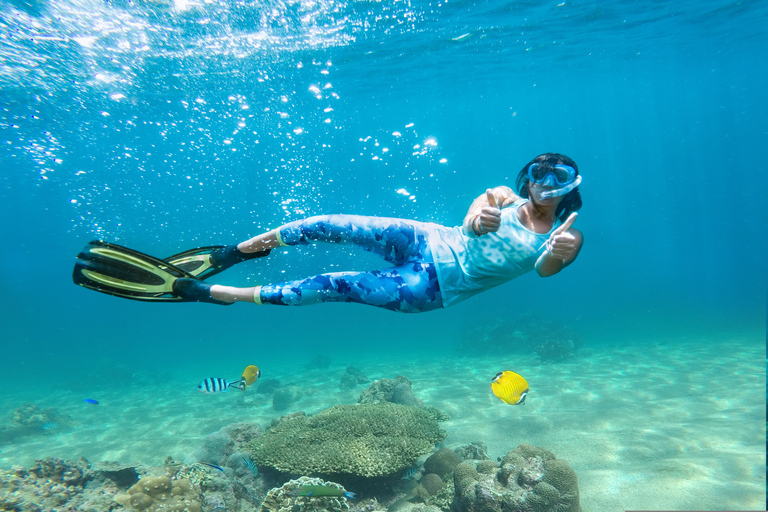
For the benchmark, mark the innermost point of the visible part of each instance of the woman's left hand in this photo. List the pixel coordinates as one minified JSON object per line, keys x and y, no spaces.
{"x":561,"y":243}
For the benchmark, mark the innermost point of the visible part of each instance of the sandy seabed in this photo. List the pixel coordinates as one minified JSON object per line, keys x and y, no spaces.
{"x":673,"y":425}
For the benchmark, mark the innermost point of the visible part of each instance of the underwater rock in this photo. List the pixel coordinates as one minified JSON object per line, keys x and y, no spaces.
{"x":556,"y":349}
{"x":366,"y":440}
{"x":442,"y":462}
{"x":286,"y":397}
{"x":123,"y":475}
{"x":398,"y":390}
{"x":352,"y":377}
{"x":214,"y":448}
{"x":529,"y":479}
{"x":267,"y":386}
{"x":403,"y":395}
{"x":319,"y":362}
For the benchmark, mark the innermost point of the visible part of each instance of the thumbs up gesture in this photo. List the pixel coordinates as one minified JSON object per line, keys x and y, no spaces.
{"x":561,"y":244}
{"x":489,"y":219}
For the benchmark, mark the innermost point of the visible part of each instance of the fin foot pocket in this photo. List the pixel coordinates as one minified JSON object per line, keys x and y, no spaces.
{"x":195,"y":290}
{"x":204,"y":262}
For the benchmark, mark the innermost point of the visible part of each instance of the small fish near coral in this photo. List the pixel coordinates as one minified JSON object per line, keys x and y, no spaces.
{"x":510,"y":388}
{"x":317,"y":491}
{"x":219,"y":385}
{"x":251,"y":466}
{"x":250,"y":374}
{"x":49,"y":426}
{"x":214,"y":466}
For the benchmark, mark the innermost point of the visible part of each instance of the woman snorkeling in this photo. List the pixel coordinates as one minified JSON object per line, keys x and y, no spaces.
{"x":504,"y":235}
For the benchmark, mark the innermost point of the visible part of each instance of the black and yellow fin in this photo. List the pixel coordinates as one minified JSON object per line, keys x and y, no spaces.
{"x":120,"y":271}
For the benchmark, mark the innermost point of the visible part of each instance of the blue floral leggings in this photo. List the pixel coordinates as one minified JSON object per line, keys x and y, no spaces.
{"x":410,"y":286}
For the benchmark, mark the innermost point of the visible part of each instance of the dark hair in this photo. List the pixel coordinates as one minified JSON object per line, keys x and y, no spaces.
{"x":572,"y":200}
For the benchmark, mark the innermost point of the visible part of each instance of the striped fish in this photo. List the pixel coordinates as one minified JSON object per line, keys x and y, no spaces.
{"x":49,"y":425}
{"x":218,"y":385}
{"x":251,"y":466}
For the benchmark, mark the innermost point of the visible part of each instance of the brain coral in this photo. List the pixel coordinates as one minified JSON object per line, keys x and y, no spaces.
{"x":155,"y":493}
{"x":365,"y":440}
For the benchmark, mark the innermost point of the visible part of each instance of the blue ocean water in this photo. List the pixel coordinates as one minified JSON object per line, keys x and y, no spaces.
{"x":168,"y":125}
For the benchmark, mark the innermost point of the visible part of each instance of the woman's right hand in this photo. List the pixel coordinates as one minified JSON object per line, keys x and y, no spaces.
{"x":489,"y":218}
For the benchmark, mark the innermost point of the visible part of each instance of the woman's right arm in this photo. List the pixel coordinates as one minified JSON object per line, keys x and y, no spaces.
{"x":484,"y":215}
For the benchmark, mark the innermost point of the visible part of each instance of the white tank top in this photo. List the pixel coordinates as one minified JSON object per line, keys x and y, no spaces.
{"x":467,"y":265}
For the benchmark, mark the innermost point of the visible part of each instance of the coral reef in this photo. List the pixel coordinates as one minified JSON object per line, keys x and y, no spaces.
{"x":228,"y":448}
{"x":398,"y":390}
{"x":442,"y":462}
{"x":436,"y":496}
{"x":30,"y":415}
{"x":155,"y":493}
{"x":284,"y":499}
{"x":56,"y":484}
{"x":31,"y":420}
{"x":529,"y":479}
{"x":352,"y":377}
{"x":475,"y":450}
{"x":365,"y":440}
{"x":61,"y":471}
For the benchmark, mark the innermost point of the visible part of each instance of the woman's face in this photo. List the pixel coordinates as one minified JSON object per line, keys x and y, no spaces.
{"x":534,"y":194}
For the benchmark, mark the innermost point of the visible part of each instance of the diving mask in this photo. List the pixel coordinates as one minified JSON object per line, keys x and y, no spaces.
{"x":561,"y":175}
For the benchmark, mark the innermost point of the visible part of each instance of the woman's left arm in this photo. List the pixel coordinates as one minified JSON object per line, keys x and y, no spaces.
{"x":562,"y":249}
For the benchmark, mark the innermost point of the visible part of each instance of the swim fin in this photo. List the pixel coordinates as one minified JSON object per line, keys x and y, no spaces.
{"x":197,"y":262}
{"x":120,"y":271}
{"x":204,"y":262}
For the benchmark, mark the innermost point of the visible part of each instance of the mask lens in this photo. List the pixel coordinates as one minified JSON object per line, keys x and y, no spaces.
{"x":562,"y":174}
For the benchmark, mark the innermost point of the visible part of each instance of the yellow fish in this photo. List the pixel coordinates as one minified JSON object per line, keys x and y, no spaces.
{"x":510,"y":388}
{"x":250,"y":374}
